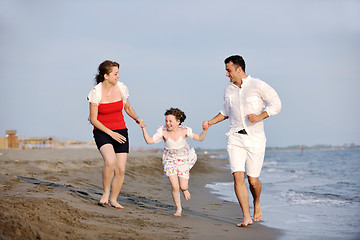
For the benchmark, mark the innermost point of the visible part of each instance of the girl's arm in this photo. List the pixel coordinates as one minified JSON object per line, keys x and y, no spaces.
{"x":200,"y":137}
{"x":148,"y":139}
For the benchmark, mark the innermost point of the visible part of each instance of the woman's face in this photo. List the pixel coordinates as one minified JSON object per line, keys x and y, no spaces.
{"x":171,"y":122}
{"x":113,"y":76}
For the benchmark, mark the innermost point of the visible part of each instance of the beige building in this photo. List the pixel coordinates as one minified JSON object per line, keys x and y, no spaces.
{"x":11,"y":141}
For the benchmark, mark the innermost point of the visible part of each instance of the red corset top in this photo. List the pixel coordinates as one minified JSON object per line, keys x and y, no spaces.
{"x":110,"y":114}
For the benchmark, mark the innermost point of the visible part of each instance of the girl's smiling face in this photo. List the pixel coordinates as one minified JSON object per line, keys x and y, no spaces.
{"x":171,"y":122}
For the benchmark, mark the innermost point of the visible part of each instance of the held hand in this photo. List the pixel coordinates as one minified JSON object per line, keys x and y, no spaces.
{"x":118,"y":137}
{"x":141,"y":122}
{"x":205,"y":125}
{"x":254,"y":118}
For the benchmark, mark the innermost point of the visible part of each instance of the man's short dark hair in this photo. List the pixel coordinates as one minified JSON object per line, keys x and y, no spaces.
{"x":237,"y":61}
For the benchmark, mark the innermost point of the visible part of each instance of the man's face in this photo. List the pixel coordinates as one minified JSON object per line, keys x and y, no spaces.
{"x":233,"y":72}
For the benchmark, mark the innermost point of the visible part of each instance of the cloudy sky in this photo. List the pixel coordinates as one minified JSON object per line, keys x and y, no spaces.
{"x":171,"y":55}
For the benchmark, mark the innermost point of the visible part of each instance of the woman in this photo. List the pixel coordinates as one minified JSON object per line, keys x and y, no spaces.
{"x":107,"y":101}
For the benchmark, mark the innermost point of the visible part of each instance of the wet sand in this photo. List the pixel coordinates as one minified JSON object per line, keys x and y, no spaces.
{"x":53,"y":194}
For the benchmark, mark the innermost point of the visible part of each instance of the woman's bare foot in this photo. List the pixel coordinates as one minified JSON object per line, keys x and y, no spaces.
{"x":257,"y":212}
{"x":187,"y":194}
{"x":244,"y":223}
{"x":177,"y":214}
{"x":104,"y":200}
{"x":116,"y":205}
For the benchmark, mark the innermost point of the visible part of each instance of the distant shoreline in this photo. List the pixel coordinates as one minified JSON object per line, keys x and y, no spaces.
{"x":294,"y":148}
{"x":315,"y":147}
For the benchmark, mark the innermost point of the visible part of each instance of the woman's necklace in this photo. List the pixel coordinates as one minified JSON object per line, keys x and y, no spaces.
{"x":109,"y":92}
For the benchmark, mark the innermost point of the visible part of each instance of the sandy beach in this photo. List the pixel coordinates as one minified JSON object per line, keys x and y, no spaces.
{"x":53,"y":194}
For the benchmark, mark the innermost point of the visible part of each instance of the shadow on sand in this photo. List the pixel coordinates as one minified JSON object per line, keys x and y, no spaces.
{"x":139,"y":201}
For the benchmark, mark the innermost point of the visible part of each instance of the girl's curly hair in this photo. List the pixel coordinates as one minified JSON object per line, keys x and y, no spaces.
{"x":179,"y":115}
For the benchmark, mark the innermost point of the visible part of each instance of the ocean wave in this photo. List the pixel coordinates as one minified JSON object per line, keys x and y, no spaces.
{"x":270,"y":163}
{"x":310,"y":198}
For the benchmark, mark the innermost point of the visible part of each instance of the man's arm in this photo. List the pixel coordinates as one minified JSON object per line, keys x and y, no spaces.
{"x":218,"y":118}
{"x":257,"y":118}
{"x":272,"y":101}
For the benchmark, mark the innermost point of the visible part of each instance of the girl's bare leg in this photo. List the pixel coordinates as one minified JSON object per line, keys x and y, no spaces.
{"x":184,"y":186}
{"x":108,"y":154}
{"x":118,"y":179}
{"x":176,"y":194}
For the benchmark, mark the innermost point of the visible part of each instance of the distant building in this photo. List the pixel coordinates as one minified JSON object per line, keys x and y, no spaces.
{"x":11,"y":141}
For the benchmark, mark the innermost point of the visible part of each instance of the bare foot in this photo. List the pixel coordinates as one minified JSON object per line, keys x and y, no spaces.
{"x":103,"y":204}
{"x":116,"y":205}
{"x":257,"y":212}
{"x":187,"y":194}
{"x":104,"y":200}
{"x":245,"y":223}
{"x":177,"y":214}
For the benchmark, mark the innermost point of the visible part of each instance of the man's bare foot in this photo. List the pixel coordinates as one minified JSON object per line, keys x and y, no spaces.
{"x":187,"y":194}
{"x":177,"y":214}
{"x":257,"y":212}
{"x":116,"y":205}
{"x":244,"y":223}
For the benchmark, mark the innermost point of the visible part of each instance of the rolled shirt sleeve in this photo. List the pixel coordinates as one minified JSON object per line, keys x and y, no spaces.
{"x":273,"y":103}
{"x":223,"y":111}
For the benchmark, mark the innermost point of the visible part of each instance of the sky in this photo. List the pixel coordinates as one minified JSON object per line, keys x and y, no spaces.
{"x":171,"y":54}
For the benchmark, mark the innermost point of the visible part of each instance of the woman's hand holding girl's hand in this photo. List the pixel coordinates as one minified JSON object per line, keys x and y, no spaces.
{"x":118,"y":137}
{"x":141,"y":123}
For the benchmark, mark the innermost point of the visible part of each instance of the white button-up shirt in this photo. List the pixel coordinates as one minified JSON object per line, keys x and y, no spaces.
{"x":254,"y":97}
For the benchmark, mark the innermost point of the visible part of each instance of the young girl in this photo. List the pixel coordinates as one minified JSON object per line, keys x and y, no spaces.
{"x":178,"y":157}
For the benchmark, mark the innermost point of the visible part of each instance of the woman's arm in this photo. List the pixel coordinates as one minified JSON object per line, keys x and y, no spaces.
{"x":131,"y":112}
{"x":97,"y":124}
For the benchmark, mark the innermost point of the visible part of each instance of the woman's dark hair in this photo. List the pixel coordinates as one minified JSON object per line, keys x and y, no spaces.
{"x":179,"y":115}
{"x":105,"y":68}
{"x":237,"y":61}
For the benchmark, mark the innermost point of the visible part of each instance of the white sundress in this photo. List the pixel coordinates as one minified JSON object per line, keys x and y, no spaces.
{"x":178,"y":157}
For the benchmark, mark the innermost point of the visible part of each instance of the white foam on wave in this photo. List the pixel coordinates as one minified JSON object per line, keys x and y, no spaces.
{"x":224,"y":190}
{"x":273,"y":170}
{"x":270,"y":163}
{"x":309,"y":198}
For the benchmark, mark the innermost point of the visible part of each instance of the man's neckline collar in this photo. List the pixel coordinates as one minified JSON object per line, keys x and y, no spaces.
{"x":244,"y":81}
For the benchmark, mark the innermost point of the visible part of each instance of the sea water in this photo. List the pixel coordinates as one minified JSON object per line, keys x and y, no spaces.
{"x":309,"y":195}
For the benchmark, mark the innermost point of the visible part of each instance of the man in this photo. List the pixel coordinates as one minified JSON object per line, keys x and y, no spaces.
{"x":247,"y":101}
